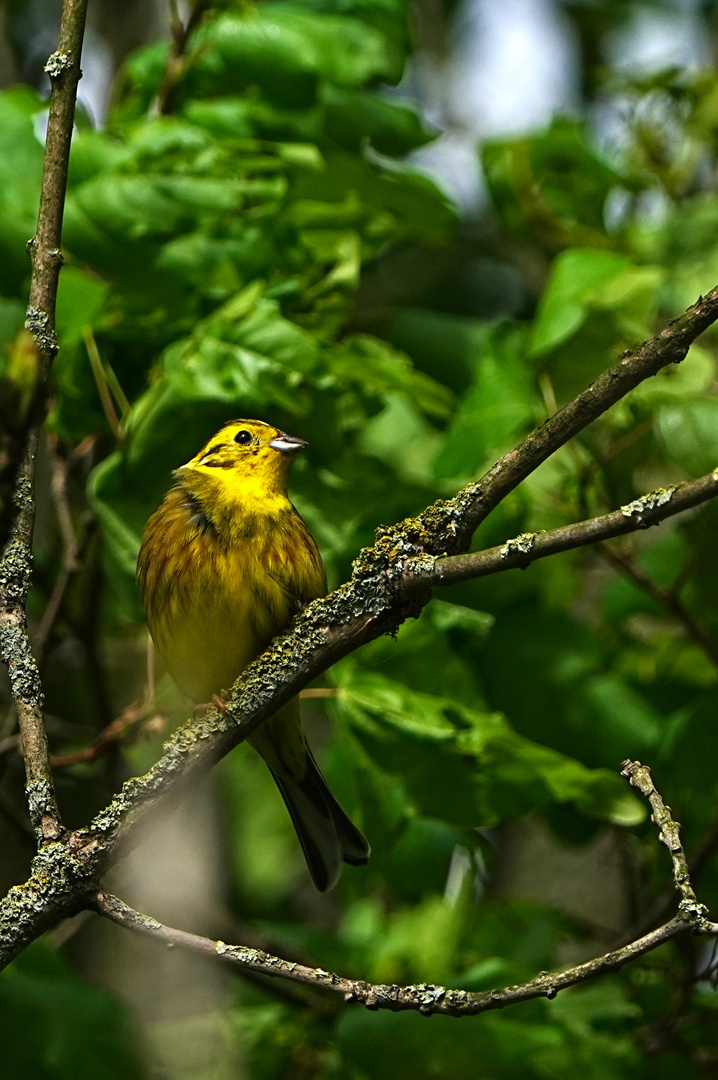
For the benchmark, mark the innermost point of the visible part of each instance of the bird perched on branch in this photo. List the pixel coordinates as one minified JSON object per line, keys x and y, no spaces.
{"x":225,"y":563}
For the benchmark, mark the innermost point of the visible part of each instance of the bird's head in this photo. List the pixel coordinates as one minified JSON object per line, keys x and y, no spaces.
{"x":245,"y":458}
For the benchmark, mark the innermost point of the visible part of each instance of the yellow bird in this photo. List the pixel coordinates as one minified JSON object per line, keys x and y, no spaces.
{"x":224,"y":564}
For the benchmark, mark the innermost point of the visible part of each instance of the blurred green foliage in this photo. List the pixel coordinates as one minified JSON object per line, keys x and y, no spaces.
{"x":214,"y":257}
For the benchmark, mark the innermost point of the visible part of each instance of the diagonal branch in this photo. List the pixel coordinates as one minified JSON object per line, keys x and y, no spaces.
{"x":376,"y":601}
{"x":670,"y":346}
{"x":521,"y":551}
{"x":427,"y":998}
{"x":328,"y":629}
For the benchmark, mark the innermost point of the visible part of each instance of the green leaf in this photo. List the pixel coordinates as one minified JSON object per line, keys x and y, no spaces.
{"x":351,"y":116}
{"x":465,"y":766}
{"x":553,"y":182}
{"x":689,"y":433}
{"x":54,"y":1026}
{"x":584,"y":280}
{"x":499,"y":407}
{"x":21,"y":155}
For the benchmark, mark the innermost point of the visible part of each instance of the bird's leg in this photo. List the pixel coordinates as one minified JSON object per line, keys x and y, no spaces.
{"x":220,"y":700}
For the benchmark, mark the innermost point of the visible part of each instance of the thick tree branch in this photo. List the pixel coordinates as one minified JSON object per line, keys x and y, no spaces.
{"x":427,"y":998}
{"x":328,"y":629}
{"x":376,"y":601}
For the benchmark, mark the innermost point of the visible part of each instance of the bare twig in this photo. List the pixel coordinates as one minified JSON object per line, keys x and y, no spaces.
{"x":177,"y":60}
{"x":667,"y":598}
{"x":129,"y":719}
{"x":72,"y":546}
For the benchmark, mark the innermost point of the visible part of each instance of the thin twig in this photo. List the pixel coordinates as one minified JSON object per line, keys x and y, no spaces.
{"x":72,"y":546}
{"x":667,"y":598}
{"x":427,"y":998}
{"x":177,"y":61}
{"x":100,"y":378}
{"x":15,"y":574}
{"x":522,"y":550}
{"x":639,"y":776}
{"x":128,"y":720}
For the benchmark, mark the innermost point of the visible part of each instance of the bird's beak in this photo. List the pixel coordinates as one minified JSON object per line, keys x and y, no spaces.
{"x":288,"y":444}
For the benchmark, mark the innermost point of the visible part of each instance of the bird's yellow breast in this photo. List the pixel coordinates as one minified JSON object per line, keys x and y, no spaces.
{"x":216,"y":593}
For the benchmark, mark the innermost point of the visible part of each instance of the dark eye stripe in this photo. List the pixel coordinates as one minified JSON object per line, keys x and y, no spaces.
{"x":218,"y":463}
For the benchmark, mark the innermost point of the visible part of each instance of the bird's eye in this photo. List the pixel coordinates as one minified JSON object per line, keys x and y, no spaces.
{"x":243,"y":437}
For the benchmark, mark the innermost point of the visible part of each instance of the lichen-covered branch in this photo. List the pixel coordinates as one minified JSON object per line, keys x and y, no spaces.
{"x":330,"y":628}
{"x":16,"y":480}
{"x":639,"y":776}
{"x":391,"y":581}
{"x":15,"y":574}
{"x":521,"y":551}
{"x":427,"y":998}
{"x":63,"y":67}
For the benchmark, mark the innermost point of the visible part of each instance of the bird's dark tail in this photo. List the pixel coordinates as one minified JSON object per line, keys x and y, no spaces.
{"x":326,"y":832}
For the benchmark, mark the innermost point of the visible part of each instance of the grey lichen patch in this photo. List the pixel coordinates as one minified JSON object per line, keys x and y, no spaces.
{"x":241,"y":953}
{"x":652,"y":501}
{"x":692,"y":910}
{"x":54,"y":890}
{"x":520,"y":545}
{"x":57,"y":64}
{"x":40,"y":800}
{"x":24,"y":678}
{"x":38,"y":323}
{"x":423,"y":564}
{"x":16,"y":563}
